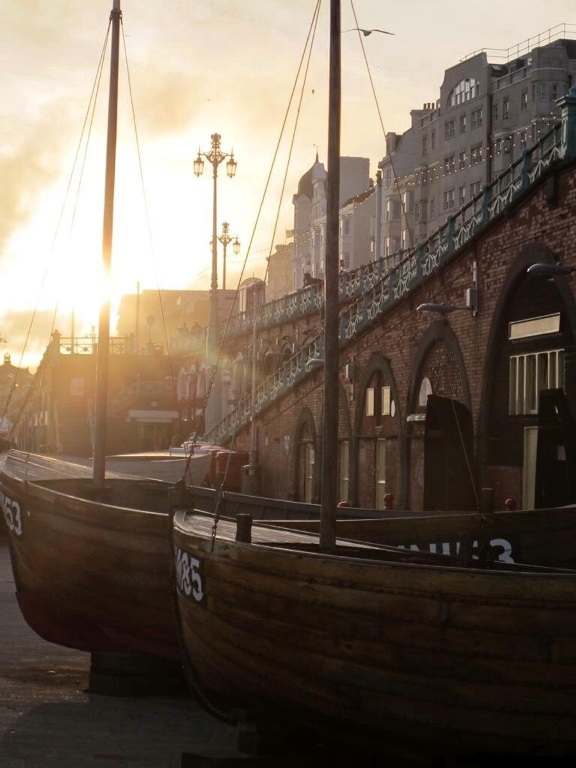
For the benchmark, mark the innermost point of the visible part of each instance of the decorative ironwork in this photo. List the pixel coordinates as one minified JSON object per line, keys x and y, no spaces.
{"x":373,"y":289}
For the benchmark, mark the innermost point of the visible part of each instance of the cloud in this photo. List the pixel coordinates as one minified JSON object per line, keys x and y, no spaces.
{"x":29,"y":162}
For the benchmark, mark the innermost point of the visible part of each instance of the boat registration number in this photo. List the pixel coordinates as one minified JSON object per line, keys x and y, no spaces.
{"x":12,"y":514}
{"x":189,"y":575}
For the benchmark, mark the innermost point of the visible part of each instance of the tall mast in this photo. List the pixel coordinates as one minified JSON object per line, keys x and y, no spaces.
{"x":99,"y":469}
{"x":329,"y":484}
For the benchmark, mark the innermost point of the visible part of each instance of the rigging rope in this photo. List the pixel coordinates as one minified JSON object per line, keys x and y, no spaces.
{"x":88,"y":121}
{"x":304,"y":64}
{"x":388,"y":152}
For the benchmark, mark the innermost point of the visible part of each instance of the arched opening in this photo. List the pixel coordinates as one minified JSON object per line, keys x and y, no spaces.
{"x":531,"y":350}
{"x":377,"y":431}
{"x":439,"y":454}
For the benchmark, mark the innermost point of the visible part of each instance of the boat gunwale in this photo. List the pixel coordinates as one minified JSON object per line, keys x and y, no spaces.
{"x":228,"y":542}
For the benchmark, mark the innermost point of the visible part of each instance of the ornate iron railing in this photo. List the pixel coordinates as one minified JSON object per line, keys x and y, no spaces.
{"x":377,"y":289}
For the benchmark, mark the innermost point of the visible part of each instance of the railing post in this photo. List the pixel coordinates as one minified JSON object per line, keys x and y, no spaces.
{"x":567,"y":105}
{"x":486,"y":203}
{"x":450,"y":234}
{"x":526,"y":157}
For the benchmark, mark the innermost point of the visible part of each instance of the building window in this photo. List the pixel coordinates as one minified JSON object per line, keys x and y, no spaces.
{"x":523,"y":142}
{"x":391,"y":245}
{"x":476,"y":154}
{"x":425,"y":390}
{"x":433,"y":140}
{"x":392,"y":210}
{"x":448,"y":199}
{"x":555,"y":91}
{"x":506,"y":109}
{"x":475,"y":188}
{"x":424,"y":145}
{"x":531,"y":373}
{"x":477,"y":118}
{"x":408,"y":201}
{"x":462,"y":123}
{"x":449,"y":130}
{"x":370,"y":401}
{"x":461,"y":196}
{"x":495,"y":111}
{"x":462,"y":160}
{"x":524,"y":100}
{"x":432,"y":208}
{"x":386,"y":401}
{"x":449,"y":164}
{"x":346,"y":225}
{"x":466,"y":89}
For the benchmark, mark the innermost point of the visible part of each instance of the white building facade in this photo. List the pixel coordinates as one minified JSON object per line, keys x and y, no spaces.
{"x":485,"y":116}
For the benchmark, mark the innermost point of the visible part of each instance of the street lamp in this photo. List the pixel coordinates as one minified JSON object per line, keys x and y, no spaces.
{"x":226,"y":238}
{"x":215,"y":156}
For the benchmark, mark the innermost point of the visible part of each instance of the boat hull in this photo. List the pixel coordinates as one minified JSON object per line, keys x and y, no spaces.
{"x":443,"y":658}
{"x":92,"y":573}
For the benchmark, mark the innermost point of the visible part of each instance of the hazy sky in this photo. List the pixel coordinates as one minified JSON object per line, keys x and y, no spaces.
{"x":196,"y":67}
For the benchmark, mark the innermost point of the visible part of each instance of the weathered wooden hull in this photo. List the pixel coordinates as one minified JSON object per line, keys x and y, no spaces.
{"x":447,"y":658}
{"x":92,"y":574}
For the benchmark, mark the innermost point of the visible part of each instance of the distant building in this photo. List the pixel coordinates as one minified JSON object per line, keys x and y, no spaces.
{"x":156,"y":319}
{"x":15,"y":387}
{"x":310,"y":216}
{"x":252,"y":294}
{"x":279,"y":278}
{"x":355,"y":241}
{"x":485,"y":116}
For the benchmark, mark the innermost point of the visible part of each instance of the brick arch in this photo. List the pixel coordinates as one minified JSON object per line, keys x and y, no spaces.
{"x":516,"y":274}
{"x":344,"y":433}
{"x":305,"y":424}
{"x":439,"y":333}
{"x":377,"y":363}
{"x":439,"y":339}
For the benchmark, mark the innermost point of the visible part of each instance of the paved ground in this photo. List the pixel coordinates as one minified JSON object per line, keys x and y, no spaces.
{"x":48,"y":719}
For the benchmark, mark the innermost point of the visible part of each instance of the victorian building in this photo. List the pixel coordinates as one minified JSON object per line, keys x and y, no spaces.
{"x":488,"y":111}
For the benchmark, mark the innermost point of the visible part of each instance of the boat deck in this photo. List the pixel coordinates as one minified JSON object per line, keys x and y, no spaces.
{"x":273,"y":533}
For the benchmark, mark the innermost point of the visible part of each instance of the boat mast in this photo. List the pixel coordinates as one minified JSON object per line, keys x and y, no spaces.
{"x":99,"y":469}
{"x":329,"y":484}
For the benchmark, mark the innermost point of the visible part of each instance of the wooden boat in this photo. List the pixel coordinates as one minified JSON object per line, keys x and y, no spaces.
{"x":173,"y":464}
{"x":382,"y":645}
{"x":91,"y":568}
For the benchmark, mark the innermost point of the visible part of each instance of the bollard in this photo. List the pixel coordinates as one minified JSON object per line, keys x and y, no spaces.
{"x":388,"y":501}
{"x":244,"y":527}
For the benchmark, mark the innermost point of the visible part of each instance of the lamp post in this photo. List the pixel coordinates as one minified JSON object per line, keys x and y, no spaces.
{"x":215,"y":156}
{"x":226,"y":238}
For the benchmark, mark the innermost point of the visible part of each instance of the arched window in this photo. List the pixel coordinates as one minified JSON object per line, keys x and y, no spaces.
{"x":425,"y":390}
{"x":466,"y":90}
